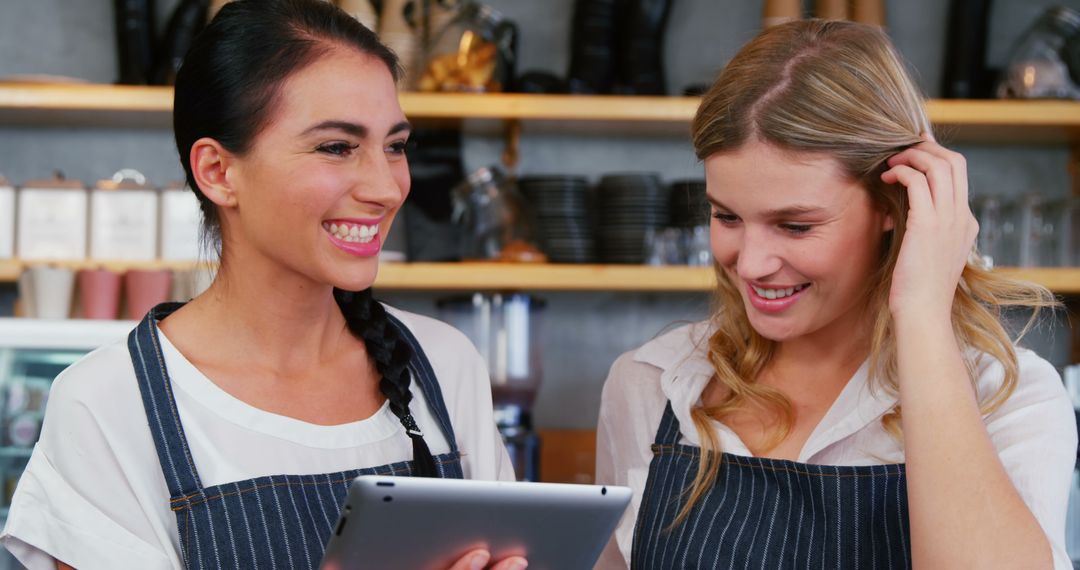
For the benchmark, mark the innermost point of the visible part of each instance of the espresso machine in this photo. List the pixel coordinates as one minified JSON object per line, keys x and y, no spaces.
{"x":505,"y":328}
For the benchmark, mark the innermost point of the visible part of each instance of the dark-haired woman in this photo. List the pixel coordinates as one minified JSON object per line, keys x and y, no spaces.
{"x":225,"y":431}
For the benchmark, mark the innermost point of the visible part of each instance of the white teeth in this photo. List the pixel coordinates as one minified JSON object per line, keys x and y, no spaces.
{"x":777,"y":293}
{"x":352,"y":233}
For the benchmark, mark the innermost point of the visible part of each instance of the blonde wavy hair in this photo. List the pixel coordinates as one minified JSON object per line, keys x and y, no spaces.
{"x":839,"y":89}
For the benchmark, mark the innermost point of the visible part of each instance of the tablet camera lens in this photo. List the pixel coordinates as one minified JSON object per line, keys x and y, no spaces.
{"x":603,"y":490}
{"x":387,"y":499}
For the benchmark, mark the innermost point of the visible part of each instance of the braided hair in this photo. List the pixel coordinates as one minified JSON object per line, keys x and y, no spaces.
{"x":226,"y":89}
{"x":366,"y":319}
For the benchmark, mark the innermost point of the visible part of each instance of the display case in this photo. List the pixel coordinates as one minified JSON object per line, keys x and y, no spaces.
{"x":32,"y":353}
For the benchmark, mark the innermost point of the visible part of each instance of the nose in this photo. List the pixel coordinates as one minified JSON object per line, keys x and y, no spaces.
{"x":759,"y":255}
{"x":381,"y":182}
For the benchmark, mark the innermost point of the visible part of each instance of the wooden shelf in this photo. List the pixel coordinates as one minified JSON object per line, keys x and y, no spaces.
{"x":542,"y":277}
{"x":1006,"y":121}
{"x":81,"y":105}
{"x":1061,"y":280}
{"x":554,"y":277}
{"x":63,"y":105}
{"x":550,"y":107}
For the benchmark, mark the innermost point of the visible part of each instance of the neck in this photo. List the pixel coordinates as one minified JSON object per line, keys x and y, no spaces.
{"x":819,"y":364}
{"x":270,"y":317}
{"x":806,"y":356}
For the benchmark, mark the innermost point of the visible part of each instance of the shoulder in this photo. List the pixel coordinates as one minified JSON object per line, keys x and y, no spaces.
{"x":635,"y":378}
{"x":438,"y":339}
{"x":96,"y":380}
{"x":668,"y":351}
{"x":1039,"y":403}
{"x":459,"y":368}
{"x":1037,"y":379}
{"x":95,"y":399}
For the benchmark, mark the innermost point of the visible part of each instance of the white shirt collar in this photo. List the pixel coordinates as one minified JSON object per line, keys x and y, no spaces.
{"x":682,"y":357}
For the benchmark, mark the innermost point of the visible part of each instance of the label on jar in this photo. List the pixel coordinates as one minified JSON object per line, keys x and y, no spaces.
{"x":51,"y":223}
{"x":7,"y":221}
{"x":180,"y":218}
{"x":123,"y":224}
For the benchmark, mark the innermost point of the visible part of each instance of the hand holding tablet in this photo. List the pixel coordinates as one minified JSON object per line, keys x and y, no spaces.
{"x":391,"y":523}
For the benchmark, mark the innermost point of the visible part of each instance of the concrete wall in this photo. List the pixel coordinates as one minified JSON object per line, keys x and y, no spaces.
{"x":584,"y":332}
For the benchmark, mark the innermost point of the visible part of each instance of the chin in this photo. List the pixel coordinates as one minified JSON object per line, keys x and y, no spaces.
{"x":356,"y":278}
{"x":775,"y":331}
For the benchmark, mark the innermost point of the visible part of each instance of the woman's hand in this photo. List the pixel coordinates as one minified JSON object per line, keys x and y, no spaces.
{"x":478,"y":559}
{"x":940,"y":232}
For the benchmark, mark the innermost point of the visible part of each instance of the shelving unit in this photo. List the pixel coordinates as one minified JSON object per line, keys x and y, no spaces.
{"x":556,"y":277}
{"x":993,"y":121}
{"x":63,"y":105}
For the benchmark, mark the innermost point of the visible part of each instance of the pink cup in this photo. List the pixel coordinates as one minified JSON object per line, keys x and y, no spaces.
{"x":144,"y":289}
{"x":99,"y":293}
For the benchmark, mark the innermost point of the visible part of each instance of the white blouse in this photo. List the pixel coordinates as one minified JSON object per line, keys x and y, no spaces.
{"x":93,"y":495}
{"x":1034,"y":432}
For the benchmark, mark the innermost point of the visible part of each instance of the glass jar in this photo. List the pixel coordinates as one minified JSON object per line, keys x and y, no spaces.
{"x":474,"y":51}
{"x":495,"y":221}
{"x":989,"y":211}
{"x":1037,"y":67}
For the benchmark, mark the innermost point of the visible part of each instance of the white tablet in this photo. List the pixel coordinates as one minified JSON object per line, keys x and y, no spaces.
{"x":413,"y":523}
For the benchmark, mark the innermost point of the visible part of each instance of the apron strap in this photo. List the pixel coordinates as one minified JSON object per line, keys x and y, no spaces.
{"x":668,"y":433}
{"x":160,"y":405}
{"x":424,"y":376}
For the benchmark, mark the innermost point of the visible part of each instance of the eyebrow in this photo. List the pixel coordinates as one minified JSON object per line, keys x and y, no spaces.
{"x":354,"y":129}
{"x":788,"y":212}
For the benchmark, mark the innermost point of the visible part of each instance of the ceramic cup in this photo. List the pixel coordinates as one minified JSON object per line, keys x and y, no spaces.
{"x":99,"y":293}
{"x":145,"y":288}
{"x":46,"y":291}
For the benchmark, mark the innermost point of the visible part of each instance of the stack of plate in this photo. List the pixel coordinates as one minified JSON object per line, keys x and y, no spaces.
{"x":629,"y":207}
{"x":561,"y":207}
{"x":689,"y":206}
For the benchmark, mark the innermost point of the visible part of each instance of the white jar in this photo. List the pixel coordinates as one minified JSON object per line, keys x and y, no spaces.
{"x":124,"y":218}
{"x":51,"y":220}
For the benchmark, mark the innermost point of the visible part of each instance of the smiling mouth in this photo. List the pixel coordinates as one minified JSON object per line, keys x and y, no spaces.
{"x":352,"y":233}
{"x":778,"y":293}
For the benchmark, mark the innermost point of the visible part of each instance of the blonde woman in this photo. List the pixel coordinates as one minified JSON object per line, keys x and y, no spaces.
{"x":854,"y":401}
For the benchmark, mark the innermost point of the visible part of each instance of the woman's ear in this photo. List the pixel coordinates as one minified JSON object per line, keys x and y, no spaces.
{"x":887,"y":223}
{"x":210,"y":164}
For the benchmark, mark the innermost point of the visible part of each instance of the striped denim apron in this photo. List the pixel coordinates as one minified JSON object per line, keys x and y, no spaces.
{"x":769,"y":513}
{"x":276,"y":521}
